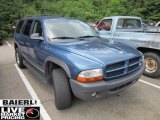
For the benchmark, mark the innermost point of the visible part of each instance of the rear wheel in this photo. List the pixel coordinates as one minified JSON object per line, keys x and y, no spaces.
{"x":62,"y":90}
{"x":1,"y":42}
{"x":19,"y":58}
{"x":152,"y":61}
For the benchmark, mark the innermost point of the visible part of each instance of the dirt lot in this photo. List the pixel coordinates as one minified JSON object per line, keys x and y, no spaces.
{"x":139,"y":102}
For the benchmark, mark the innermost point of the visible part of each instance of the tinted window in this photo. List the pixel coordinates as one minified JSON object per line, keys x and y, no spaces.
{"x":19,"y":26}
{"x":105,"y":25}
{"x":27,"y":27}
{"x":37,"y":28}
{"x":128,"y":24}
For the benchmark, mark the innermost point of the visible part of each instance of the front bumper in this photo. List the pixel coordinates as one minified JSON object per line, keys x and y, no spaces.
{"x":100,"y":89}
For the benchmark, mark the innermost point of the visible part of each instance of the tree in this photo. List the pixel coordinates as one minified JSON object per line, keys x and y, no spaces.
{"x":10,"y":10}
{"x":87,"y":10}
{"x":151,"y":10}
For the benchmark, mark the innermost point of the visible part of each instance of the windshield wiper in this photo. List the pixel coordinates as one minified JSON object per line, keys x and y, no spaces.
{"x":63,"y":38}
{"x":87,"y":36}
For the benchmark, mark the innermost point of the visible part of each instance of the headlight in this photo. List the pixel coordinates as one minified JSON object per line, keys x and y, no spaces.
{"x":90,"y":75}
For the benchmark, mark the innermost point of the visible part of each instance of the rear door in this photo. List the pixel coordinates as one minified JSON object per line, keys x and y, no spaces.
{"x":26,"y":37}
{"x":17,"y":35}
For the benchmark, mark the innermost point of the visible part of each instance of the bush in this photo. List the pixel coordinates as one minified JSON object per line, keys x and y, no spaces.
{"x":3,"y":34}
{"x":87,"y":10}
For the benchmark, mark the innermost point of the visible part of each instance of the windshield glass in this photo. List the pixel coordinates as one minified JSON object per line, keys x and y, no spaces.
{"x":68,"y":28}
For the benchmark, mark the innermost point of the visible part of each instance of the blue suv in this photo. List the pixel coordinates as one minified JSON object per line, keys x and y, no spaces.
{"x":69,"y":54}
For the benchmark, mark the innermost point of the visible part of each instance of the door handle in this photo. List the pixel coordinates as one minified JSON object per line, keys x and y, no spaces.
{"x":116,"y":35}
{"x":28,"y":44}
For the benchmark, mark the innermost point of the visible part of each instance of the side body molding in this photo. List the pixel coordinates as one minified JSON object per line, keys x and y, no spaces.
{"x":58,"y":62}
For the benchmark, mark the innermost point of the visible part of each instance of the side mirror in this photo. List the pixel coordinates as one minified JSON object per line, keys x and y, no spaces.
{"x":36,"y":36}
{"x":96,"y":29}
{"x":14,"y":27}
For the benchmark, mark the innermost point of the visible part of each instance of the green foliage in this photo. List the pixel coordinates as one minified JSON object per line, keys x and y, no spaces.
{"x":10,"y":10}
{"x":87,"y":10}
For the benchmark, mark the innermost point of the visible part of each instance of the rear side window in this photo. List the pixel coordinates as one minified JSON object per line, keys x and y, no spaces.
{"x":27,"y":27}
{"x":128,"y":24}
{"x":19,"y":26}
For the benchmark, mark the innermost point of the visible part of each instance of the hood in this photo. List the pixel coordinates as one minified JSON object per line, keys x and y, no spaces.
{"x":99,"y":50}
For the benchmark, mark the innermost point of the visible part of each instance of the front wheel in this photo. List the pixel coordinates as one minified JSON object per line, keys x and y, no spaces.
{"x":62,"y":90}
{"x":152,"y":61}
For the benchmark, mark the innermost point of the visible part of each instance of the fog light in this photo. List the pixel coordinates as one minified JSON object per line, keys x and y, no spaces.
{"x":94,"y":94}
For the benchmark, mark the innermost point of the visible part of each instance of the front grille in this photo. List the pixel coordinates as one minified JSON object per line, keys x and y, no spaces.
{"x":134,"y":60}
{"x":131,"y":68}
{"x":122,"y":68}
{"x":115,"y":73}
{"x":116,"y":65}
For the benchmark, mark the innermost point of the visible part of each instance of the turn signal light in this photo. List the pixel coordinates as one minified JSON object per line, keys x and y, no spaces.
{"x":90,"y":75}
{"x":94,"y":79}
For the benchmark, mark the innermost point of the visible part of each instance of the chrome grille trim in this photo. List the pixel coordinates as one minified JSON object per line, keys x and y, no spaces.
{"x":122,"y":68}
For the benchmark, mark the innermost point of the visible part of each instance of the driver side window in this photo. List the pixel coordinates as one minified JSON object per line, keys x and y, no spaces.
{"x":37,"y":28}
{"x":105,"y":25}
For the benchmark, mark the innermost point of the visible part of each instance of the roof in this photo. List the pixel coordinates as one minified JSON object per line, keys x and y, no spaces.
{"x":123,"y":17}
{"x":46,"y":17}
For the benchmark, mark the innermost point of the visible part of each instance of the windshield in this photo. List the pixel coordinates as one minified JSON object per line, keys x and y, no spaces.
{"x":68,"y":29}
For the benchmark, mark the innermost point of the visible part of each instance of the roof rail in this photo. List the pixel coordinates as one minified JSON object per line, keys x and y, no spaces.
{"x":36,"y":15}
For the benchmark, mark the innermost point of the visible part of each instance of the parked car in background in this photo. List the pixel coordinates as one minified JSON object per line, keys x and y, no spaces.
{"x":129,"y":30}
{"x":70,"y":53}
{"x":158,"y":24}
{"x":152,"y":29}
{"x":1,"y":41}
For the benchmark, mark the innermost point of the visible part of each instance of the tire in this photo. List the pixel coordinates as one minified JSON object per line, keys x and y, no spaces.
{"x":1,"y":43}
{"x":19,"y":58}
{"x":62,"y":90}
{"x":152,"y":61}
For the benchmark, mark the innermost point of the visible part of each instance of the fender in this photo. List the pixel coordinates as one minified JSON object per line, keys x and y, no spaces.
{"x":147,"y":49}
{"x":58,"y":62}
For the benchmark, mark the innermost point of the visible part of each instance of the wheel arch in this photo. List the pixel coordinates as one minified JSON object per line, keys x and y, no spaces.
{"x":145,"y":50}
{"x":54,"y":63}
{"x":15,"y":46}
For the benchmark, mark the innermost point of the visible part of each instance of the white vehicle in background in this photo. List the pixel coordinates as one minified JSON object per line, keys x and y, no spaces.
{"x":129,"y":30}
{"x":158,"y":24}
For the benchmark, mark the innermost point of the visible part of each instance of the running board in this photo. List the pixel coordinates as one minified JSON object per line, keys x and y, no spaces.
{"x":40,"y":75}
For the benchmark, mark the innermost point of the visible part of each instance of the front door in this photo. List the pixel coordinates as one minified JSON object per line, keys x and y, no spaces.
{"x":36,"y":51}
{"x":104,"y":28}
